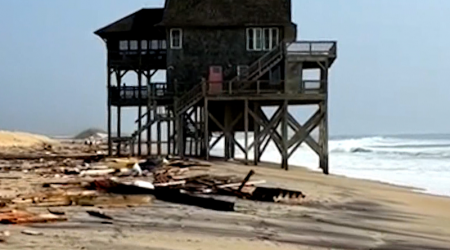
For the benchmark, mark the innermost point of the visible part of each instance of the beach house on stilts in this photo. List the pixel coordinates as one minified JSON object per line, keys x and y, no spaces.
{"x":224,"y":60}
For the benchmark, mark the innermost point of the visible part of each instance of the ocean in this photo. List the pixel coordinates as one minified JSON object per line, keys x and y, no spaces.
{"x":419,"y":161}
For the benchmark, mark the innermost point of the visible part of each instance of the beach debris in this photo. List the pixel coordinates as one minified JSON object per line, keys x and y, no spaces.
{"x":30,"y":232}
{"x":277,"y":195}
{"x":97,"y":172}
{"x":4,"y":235}
{"x":247,"y":178}
{"x":99,"y":214}
{"x":125,"y":182}
{"x":56,"y":212}
{"x":24,"y":217}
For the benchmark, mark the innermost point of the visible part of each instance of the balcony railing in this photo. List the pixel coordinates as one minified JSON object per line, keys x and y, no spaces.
{"x":153,"y":90}
{"x":263,"y":87}
{"x":313,"y":48}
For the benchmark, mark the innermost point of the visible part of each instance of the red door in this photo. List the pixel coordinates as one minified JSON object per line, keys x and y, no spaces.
{"x":215,"y":79}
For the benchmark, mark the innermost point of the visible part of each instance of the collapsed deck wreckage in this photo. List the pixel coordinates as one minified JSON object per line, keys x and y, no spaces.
{"x":128,"y":182}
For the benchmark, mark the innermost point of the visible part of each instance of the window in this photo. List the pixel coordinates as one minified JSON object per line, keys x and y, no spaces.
{"x":163,"y":44}
{"x":133,"y":45}
{"x":176,"y":39}
{"x":258,"y":39}
{"x":267,"y":39}
{"x":144,"y":44}
{"x":262,"y":39}
{"x":275,"y":38}
{"x":123,"y":45}
{"x":154,"y":45}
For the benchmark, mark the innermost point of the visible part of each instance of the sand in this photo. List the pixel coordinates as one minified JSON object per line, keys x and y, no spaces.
{"x":10,"y":139}
{"x":338,"y":213}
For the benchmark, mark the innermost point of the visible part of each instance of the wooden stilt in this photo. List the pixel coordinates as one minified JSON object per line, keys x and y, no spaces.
{"x":149,"y":108}
{"x":119,"y":121}
{"x":109,"y":112}
{"x":323,"y":127}
{"x":256,"y":141}
{"x":284,"y":132}
{"x":246,"y":130}
{"x":206,"y":128}
{"x":158,"y":129}
{"x":119,"y":118}
{"x":139,"y":144}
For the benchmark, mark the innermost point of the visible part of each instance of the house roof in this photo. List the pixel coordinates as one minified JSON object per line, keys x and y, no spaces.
{"x":226,"y":12}
{"x":138,"y":22}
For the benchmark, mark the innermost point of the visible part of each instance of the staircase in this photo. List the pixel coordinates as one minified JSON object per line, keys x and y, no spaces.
{"x":157,"y":116}
{"x":260,"y":67}
{"x":189,"y":99}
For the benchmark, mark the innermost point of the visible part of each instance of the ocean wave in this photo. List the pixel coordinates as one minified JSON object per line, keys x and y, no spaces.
{"x":392,"y":146}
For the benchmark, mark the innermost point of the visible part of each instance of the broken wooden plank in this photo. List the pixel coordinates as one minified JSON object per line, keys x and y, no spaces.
{"x":238,"y":184}
{"x":247,"y":178}
{"x":99,"y":214}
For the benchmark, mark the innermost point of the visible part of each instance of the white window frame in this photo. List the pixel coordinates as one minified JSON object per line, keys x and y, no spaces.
{"x":259,"y":34}
{"x":256,"y":38}
{"x":123,"y":45}
{"x":274,"y":43}
{"x":172,"y":39}
{"x":134,"y":45}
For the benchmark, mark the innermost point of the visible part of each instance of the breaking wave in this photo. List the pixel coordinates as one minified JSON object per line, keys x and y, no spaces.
{"x":437,"y":148}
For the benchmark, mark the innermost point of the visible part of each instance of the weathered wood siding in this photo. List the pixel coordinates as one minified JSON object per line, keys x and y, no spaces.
{"x":203,"y":47}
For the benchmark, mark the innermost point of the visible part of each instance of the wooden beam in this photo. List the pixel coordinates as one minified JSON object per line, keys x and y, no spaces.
{"x":256,"y":142}
{"x":158,"y":131}
{"x":216,"y":141}
{"x":119,"y":119}
{"x":323,"y":127}
{"x":267,"y":126}
{"x":284,"y":132}
{"x":122,"y":75}
{"x":139,"y":74}
{"x":304,"y":131}
{"x":273,"y":133}
{"x":149,"y":129}
{"x":206,"y":128}
{"x":265,"y":145}
{"x":109,"y":112}
{"x":246,"y":130}
{"x":216,"y":122}
{"x":197,"y":130}
{"x":296,"y":126}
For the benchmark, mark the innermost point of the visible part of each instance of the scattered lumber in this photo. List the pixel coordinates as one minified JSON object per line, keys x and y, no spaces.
{"x":96,"y":182}
{"x":24,"y":217}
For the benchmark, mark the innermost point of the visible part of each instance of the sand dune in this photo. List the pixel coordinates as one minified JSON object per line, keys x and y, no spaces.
{"x":10,"y":139}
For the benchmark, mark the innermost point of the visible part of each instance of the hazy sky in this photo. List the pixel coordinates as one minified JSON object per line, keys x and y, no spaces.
{"x":391,"y":75}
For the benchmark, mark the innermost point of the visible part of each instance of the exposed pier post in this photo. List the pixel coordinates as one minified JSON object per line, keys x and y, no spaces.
{"x":284,"y":134}
{"x":256,"y":134}
{"x":246,"y":130}
{"x":109,"y":111}
{"x":206,"y":128}
{"x":119,"y":118}
{"x":158,"y":128}
{"x":139,"y":74}
{"x":149,"y":108}
{"x":323,"y":126}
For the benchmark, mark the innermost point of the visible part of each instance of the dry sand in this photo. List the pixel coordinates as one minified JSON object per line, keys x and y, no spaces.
{"x":10,"y":139}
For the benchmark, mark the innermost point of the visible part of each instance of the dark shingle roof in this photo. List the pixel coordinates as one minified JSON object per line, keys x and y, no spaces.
{"x":226,"y":12}
{"x":138,"y":22}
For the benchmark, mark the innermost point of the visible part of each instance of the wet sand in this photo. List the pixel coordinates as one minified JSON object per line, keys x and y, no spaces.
{"x":338,"y":213}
